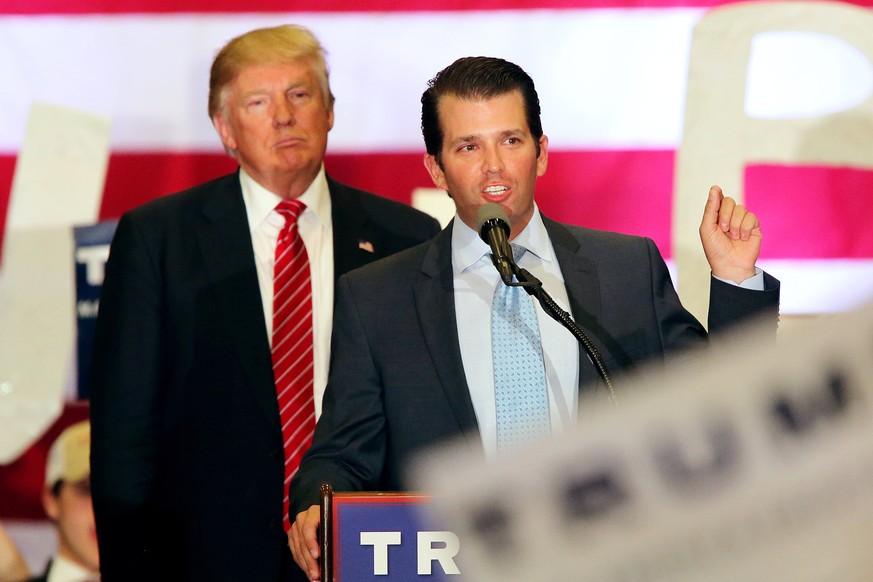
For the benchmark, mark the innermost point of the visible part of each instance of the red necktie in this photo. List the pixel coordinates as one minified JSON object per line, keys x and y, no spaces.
{"x":292,"y":343}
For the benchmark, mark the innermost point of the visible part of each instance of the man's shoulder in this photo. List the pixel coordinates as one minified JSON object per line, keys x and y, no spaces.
{"x":406,"y":260}
{"x":384,"y":212}
{"x":193,"y":195}
{"x":594,"y":239}
{"x":221,"y":190}
{"x":400,"y":269}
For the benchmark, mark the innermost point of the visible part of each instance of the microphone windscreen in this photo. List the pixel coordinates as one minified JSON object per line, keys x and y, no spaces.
{"x":491,"y":211}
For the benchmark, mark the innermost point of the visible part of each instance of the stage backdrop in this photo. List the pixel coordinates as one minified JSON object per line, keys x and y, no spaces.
{"x":612,"y":79}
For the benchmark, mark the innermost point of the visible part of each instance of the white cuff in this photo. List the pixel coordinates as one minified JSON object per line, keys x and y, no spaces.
{"x":755,"y":282}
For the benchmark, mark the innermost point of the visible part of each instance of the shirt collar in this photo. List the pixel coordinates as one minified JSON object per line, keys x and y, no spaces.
{"x":468,"y":247}
{"x":63,"y":570}
{"x":260,"y":202}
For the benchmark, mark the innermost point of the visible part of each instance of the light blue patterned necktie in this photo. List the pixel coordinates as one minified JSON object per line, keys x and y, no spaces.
{"x":519,"y":375}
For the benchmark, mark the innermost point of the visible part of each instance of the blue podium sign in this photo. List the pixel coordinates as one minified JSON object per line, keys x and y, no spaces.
{"x":91,"y":252}
{"x":389,"y":536}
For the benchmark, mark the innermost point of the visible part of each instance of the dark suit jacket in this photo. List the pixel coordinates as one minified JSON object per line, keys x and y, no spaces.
{"x":187,"y":466}
{"x":397,"y":384}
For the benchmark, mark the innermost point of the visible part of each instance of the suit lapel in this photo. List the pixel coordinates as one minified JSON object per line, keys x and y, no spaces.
{"x":226,"y":246}
{"x":435,"y":304}
{"x":355,"y":241}
{"x":434,"y":298}
{"x":580,"y":279}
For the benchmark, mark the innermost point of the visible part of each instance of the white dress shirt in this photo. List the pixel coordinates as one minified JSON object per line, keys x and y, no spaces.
{"x":316,"y":229}
{"x":63,"y":570}
{"x":475,"y":278}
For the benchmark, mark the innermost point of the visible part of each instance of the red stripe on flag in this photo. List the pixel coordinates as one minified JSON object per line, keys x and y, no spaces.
{"x":625,"y":191}
{"x":284,"y":6}
{"x":806,"y":212}
{"x":7,"y":171}
{"x":622,"y":191}
{"x":134,"y":178}
{"x":812,"y":212}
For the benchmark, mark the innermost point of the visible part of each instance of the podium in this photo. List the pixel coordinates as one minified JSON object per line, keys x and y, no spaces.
{"x":383,"y":536}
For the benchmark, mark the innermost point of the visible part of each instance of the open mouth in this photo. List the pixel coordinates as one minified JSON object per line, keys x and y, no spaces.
{"x":496,"y":192}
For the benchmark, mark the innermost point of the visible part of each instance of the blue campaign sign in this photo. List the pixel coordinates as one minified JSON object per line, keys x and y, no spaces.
{"x":91,"y":252}
{"x":389,"y":537}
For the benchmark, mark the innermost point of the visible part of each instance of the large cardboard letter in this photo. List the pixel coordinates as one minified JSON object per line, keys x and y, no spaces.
{"x":58,"y":183}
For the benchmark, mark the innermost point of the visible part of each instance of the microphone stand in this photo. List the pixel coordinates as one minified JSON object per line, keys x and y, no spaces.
{"x":534,"y":287}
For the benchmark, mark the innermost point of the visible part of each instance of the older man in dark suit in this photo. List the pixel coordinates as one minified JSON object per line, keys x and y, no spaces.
{"x":209,"y":366}
{"x":414,"y":364}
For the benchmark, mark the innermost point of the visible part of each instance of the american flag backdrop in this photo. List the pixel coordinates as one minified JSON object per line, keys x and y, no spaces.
{"x":611,"y":75}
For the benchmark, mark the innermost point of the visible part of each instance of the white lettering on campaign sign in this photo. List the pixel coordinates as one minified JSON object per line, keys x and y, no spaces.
{"x":753,"y":461}
{"x":437,"y":546}
{"x":94,"y":258}
{"x":432,"y":546}
{"x":380,"y":540}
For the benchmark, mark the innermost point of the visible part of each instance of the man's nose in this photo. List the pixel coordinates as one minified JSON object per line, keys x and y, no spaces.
{"x":283,"y":113}
{"x":492,"y":161}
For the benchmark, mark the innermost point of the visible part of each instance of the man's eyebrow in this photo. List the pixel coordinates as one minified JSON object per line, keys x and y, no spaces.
{"x":465,"y":139}
{"x":265,"y":90}
{"x":255,"y":91}
{"x":519,"y":132}
{"x":511,"y":133}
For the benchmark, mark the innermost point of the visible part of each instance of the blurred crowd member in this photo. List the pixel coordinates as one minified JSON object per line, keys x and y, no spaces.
{"x":67,"y":501}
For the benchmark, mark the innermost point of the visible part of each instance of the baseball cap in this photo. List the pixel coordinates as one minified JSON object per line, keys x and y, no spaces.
{"x":69,"y":455}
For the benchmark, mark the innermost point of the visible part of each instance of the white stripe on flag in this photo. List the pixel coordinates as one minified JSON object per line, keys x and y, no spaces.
{"x":607,"y":78}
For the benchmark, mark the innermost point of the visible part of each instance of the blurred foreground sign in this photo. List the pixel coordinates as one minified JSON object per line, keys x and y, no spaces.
{"x":754,"y":462}
{"x":58,"y":182}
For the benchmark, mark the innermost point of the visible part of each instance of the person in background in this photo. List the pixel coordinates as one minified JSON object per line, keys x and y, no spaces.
{"x":428,"y":372}
{"x":67,"y":502}
{"x":213,"y":335}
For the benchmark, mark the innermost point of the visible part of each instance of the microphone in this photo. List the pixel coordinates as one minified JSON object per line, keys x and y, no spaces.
{"x":493,"y":227}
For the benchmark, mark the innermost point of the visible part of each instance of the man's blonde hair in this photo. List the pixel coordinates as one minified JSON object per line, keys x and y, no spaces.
{"x":279,"y":44}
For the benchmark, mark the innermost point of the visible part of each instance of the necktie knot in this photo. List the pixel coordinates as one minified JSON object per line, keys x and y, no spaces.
{"x":290,"y":209}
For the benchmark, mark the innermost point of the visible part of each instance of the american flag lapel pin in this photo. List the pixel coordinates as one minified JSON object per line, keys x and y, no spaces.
{"x":366,"y":245}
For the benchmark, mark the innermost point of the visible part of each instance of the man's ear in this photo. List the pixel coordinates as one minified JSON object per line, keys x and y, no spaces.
{"x":543,"y":158}
{"x":435,"y":171}
{"x":224,"y":132}
{"x":50,"y":503}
